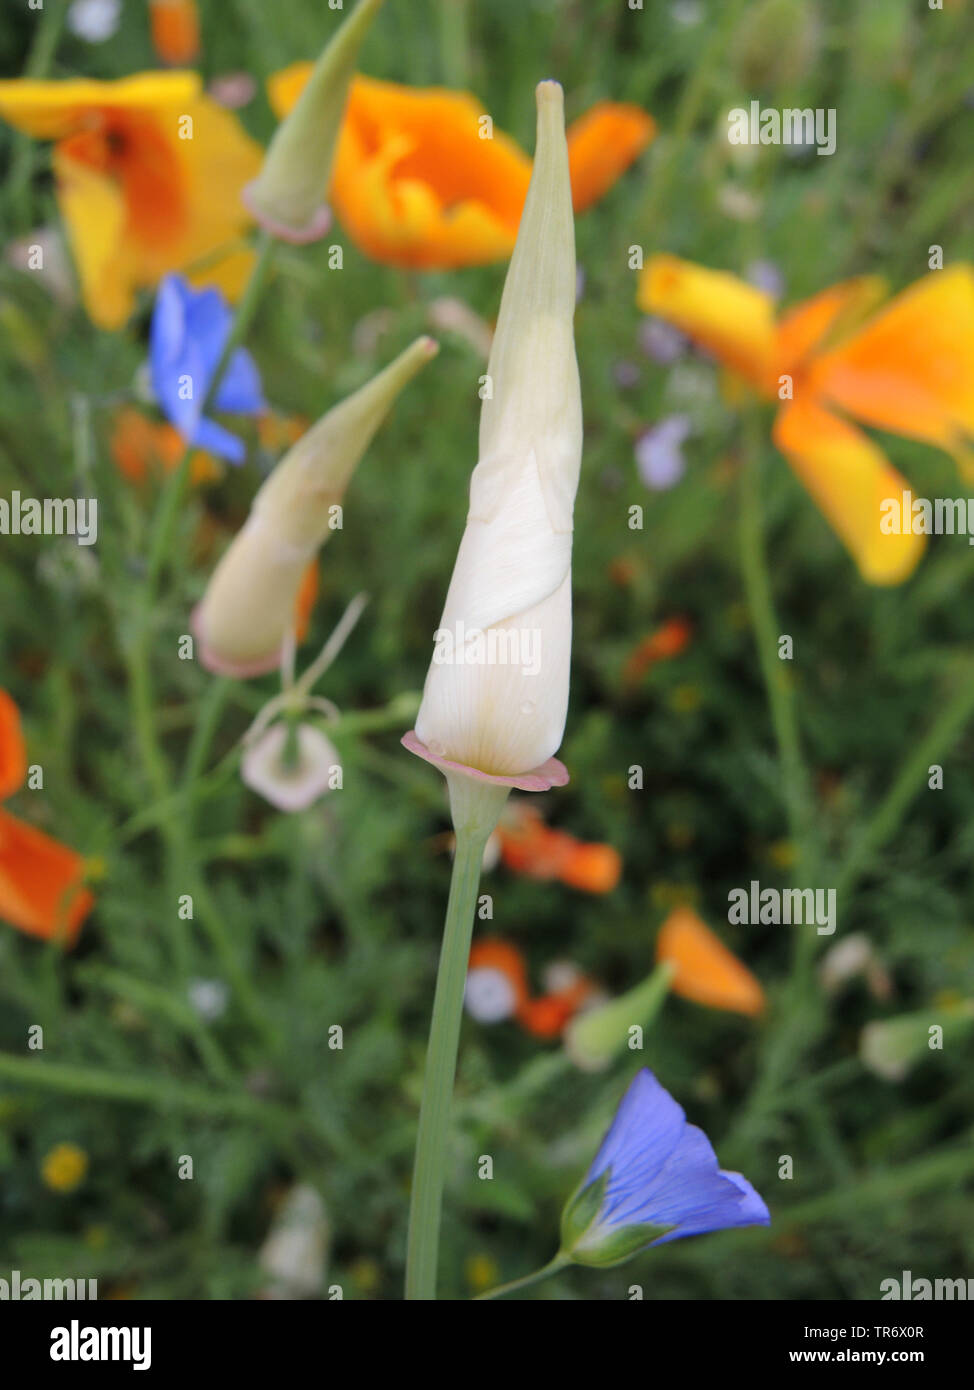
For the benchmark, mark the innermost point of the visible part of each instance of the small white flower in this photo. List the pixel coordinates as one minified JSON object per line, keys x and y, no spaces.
{"x":209,"y":998}
{"x":489,"y":995}
{"x":286,"y":785}
{"x":94,"y":20}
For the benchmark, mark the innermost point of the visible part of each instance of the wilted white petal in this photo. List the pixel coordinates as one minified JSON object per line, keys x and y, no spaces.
{"x":291,"y":787}
{"x":295,"y":1251}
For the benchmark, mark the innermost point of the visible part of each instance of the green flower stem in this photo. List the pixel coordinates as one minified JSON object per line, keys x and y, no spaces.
{"x":799,"y":1017}
{"x":475,"y":812}
{"x":151,"y":998}
{"x":49,"y":23}
{"x":432,"y":1142}
{"x":552,"y":1267}
{"x":784,"y":718}
{"x":137,"y":648}
{"x":912,"y":776}
{"x":696,"y":90}
{"x":158,"y":1092}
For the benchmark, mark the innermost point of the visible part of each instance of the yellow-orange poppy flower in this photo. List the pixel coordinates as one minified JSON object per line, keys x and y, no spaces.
{"x":175,"y":28}
{"x":530,"y":847}
{"x":907,"y":367}
{"x":141,"y":447}
{"x":149,"y":171}
{"x":705,"y":970}
{"x":418,"y":183}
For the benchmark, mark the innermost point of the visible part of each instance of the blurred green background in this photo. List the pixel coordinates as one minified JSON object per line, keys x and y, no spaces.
{"x":333,"y":916}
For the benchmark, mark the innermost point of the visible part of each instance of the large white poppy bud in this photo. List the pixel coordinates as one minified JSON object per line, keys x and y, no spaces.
{"x":496,"y":695}
{"x":248,"y":606}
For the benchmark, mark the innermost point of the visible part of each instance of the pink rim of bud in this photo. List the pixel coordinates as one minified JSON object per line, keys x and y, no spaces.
{"x":239,"y":670}
{"x":319,"y":225}
{"x":551,"y":773}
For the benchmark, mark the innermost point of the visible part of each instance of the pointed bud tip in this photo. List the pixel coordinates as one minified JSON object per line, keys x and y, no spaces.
{"x":430,"y":346}
{"x":548,"y":93}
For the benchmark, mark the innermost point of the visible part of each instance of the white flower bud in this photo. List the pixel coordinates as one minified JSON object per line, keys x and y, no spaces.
{"x":248,"y":606}
{"x":496,"y":695}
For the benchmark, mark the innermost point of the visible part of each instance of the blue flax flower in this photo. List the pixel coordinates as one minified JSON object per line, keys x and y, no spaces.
{"x":189,"y":330}
{"x":654,"y":1179}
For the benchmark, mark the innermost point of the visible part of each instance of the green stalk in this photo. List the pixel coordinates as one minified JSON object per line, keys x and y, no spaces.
{"x":476,"y":806}
{"x":932,"y":748}
{"x":432,"y":1141}
{"x":757,"y":584}
{"x":160,"y":1093}
{"x":552,"y":1267}
{"x":137,"y":650}
{"x":49,"y":21}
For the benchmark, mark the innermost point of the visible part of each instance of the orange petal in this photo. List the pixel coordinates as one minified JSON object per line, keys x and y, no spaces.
{"x":546,"y":1016}
{"x":910,"y":370}
{"x":592,"y":868}
{"x":828,"y":315}
{"x":41,"y":883}
{"x":668,"y":640}
{"x":528,"y":846}
{"x":414,"y":182}
{"x":13,"y":750}
{"x":706,"y":971}
{"x":415,"y":185}
{"x":141,"y":447}
{"x":175,"y":26}
{"x":725,"y":315}
{"x":601,"y":146}
{"x":849,"y":478}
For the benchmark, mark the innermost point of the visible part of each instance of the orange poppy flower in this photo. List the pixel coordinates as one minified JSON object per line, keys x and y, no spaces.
{"x":13,"y":752}
{"x":705,"y":970}
{"x":41,"y":881}
{"x":175,"y":26}
{"x":418,"y":182}
{"x":907,"y":368}
{"x":547,"y":1015}
{"x":141,"y":447}
{"x":149,"y":172}
{"x":668,"y":640}
{"x":530,"y":847}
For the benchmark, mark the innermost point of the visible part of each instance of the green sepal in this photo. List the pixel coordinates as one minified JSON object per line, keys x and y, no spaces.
{"x":614,"y":1244}
{"x":617,"y":1245}
{"x":580,"y":1212}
